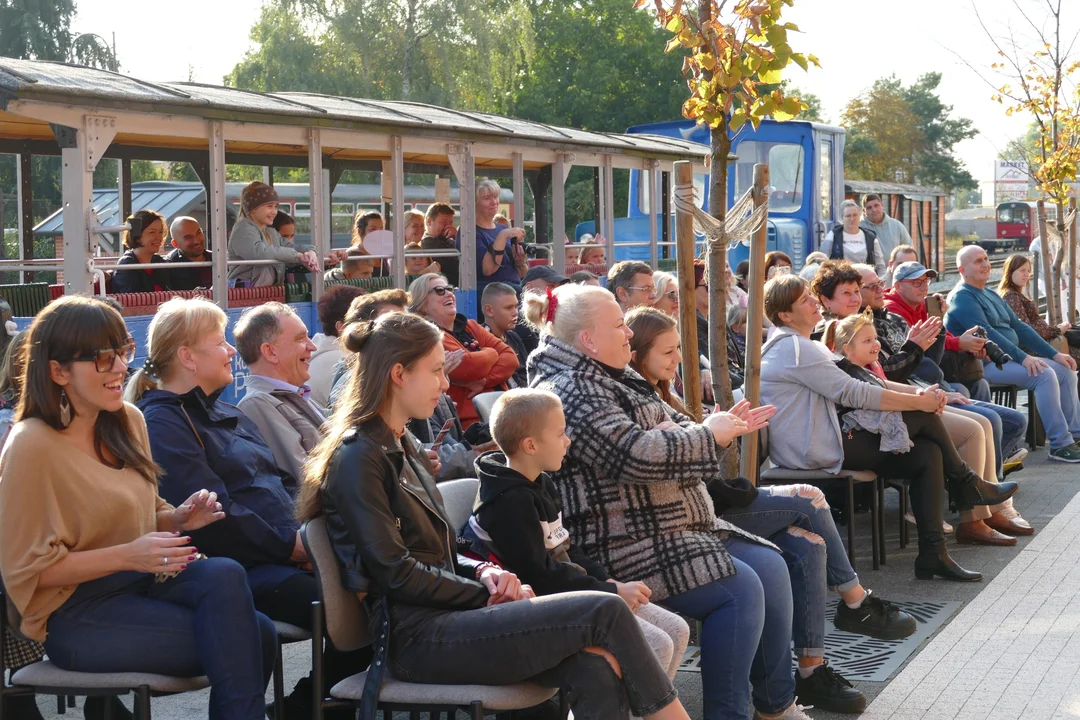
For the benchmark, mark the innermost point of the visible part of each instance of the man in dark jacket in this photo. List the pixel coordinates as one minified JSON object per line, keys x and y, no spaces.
{"x":189,"y":245}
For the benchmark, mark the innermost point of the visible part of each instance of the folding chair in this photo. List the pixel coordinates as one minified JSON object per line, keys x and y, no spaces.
{"x":484,"y":402}
{"x":44,"y":678}
{"x":345,"y":619}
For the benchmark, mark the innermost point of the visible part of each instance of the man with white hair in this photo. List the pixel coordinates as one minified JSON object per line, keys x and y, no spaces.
{"x":189,"y":245}
{"x":1034,"y":365}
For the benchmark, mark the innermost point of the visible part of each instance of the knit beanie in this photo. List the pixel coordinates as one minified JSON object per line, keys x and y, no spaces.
{"x":256,"y":194}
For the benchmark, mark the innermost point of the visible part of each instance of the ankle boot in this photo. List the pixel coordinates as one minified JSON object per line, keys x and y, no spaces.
{"x":935,"y":560}
{"x":969,"y":490}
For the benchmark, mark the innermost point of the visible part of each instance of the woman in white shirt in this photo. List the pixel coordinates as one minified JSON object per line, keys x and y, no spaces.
{"x":852,"y":243}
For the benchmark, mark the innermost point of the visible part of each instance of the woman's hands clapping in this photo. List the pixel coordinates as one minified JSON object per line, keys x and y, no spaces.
{"x":198,"y":511}
{"x":159,"y":552}
{"x":740,"y":420}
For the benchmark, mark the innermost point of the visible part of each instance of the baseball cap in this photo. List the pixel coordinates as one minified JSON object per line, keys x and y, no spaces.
{"x":544,"y":272}
{"x":911,"y":271}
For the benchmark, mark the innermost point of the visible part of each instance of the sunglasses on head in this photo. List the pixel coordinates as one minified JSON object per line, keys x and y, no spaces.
{"x":441,"y":290}
{"x":104,"y":358}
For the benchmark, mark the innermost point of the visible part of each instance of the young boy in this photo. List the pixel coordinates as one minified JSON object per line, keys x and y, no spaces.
{"x":517,"y":520}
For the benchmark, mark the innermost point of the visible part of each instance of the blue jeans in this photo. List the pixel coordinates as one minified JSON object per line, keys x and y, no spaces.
{"x":1009,"y":428}
{"x":202,"y":622}
{"x":746,"y":634}
{"x":798,"y":520}
{"x":1055,"y":397}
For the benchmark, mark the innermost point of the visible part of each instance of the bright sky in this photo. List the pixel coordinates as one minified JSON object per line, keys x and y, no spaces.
{"x":857,"y":41}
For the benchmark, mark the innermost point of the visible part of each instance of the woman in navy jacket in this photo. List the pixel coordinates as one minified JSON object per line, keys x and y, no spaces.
{"x":197,"y":438}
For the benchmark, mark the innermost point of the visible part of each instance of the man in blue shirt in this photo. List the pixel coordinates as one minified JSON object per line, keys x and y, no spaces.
{"x":1035,"y":364}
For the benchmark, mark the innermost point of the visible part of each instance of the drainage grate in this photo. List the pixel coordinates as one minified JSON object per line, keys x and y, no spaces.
{"x":858,"y":657}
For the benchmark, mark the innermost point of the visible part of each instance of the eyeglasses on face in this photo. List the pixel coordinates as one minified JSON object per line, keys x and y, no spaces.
{"x":441,"y":290}
{"x":672,"y":295}
{"x":650,"y":289}
{"x":876,"y":287}
{"x":104,"y":358}
{"x":920,"y":283}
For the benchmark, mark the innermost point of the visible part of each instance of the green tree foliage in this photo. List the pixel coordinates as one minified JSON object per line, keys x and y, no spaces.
{"x":457,"y":53}
{"x":906,"y":132}
{"x":595,"y":67}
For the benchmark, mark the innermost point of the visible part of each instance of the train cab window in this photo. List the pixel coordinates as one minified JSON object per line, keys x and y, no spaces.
{"x":786,"y":172}
{"x":1013,"y":214}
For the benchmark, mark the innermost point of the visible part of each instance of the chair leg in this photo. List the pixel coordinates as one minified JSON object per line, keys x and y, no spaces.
{"x":879,"y":488}
{"x":142,"y":702}
{"x":851,"y":521}
{"x":279,"y":687}
{"x":61,"y":704}
{"x":71,"y":701}
{"x":903,"y":512}
{"x":476,"y":711}
{"x":875,"y":540}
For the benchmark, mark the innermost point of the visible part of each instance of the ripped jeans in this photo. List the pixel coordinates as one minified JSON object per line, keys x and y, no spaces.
{"x":797,"y":519}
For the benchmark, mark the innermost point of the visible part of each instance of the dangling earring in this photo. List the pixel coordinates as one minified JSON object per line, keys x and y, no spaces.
{"x":65,"y":408}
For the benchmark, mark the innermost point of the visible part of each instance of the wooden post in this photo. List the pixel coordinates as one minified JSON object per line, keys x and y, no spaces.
{"x":1048,"y":282}
{"x":684,"y":237}
{"x":1072,"y":262}
{"x":755,"y":311}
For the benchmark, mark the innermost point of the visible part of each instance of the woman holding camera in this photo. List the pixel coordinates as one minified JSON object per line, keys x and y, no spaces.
{"x":500,"y":250}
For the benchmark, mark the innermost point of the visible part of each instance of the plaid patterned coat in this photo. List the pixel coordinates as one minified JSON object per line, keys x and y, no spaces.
{"x":634,"y":497}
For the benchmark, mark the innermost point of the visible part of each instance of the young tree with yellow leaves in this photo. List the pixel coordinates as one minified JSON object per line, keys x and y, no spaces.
{"x":1043,"y":84}
{"x":736,"y":57}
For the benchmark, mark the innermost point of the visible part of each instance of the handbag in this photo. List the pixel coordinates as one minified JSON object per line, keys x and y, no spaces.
{"x":959,"y":366}
{"x":1072,"y":336}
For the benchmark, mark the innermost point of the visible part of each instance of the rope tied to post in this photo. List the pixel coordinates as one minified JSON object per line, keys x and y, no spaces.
{"x":741,"y":221}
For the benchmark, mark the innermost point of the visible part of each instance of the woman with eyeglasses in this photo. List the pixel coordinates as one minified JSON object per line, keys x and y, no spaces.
{"x":99,"y":566}
{"x":666,"y":287}
{"x":488,"y":362}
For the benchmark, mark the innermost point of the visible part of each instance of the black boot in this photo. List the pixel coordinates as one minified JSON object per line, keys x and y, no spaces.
{"x":970,"y":490}
{"x":934,"y":560}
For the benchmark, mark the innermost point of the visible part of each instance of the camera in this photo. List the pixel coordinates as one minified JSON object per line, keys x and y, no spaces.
{"x":993,"y":351}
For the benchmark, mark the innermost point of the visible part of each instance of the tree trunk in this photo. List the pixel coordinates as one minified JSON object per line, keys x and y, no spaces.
{"x":1059,"y":258}
{"x":718,"y":285}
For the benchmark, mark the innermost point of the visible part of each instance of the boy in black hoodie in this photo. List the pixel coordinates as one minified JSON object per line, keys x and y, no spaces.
{"x":517,"y":518}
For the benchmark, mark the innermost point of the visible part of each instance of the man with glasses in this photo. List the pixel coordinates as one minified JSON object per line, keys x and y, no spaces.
{"x":631,"y":283}
{"x":904,"y":345}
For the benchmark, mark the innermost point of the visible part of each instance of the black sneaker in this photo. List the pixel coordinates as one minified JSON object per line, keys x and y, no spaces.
{"x":827,"y":689}
{"x":875,"y":618}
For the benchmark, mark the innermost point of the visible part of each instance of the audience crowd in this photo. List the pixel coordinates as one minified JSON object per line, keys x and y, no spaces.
{"x":145,"y":512}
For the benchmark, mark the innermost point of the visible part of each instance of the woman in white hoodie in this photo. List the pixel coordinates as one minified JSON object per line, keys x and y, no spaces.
{"x":328,"y":351}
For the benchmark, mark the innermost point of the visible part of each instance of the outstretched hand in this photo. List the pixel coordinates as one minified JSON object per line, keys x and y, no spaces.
{"x":755,"y":418}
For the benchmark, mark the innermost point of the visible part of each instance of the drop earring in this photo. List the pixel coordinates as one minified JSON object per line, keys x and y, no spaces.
{"x":65,"y":408}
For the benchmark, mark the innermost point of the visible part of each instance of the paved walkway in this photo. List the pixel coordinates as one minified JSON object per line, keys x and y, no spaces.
{"x":1013,"y":652}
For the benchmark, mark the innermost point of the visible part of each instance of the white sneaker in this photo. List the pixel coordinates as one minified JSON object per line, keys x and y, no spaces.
{"x":946,"y":528}
{"x":795,"y":712}
{"x":1017,"y":457}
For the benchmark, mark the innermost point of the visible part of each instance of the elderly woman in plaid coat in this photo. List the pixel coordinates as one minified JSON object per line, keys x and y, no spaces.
{"x":634,"y":497}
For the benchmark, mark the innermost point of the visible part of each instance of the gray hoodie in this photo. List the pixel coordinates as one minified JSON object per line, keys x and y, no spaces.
{"x":799,"y":377}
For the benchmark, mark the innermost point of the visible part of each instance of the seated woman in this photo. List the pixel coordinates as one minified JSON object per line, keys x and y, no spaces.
{"x":142,"y":248}
{"x":286,"y":227}
{"x":90,"y":553}
{"x":452,"y":620}
{"x":1012,"y":288}
{"x":776,"y":263}
{"x":254,"y":238}
{"x":200,"y":441}
{"x":634,"y":497}
{"x":666,"y":287}
{"x":795,"y":517}
{"x":799,"y":376}
{"x":487,"y":362}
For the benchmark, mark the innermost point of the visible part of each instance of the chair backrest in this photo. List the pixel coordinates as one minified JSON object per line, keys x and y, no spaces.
{"x":346,"y":616}
{"x":484,"y":402}
{"x":458,"y":499}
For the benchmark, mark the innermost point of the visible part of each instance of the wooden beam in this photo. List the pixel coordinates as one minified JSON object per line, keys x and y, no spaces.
{"x":684,"y":236}
{"x":755,"y":312}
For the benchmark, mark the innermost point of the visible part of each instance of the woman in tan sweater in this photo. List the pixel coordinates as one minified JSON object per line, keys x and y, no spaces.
{"x":94,"y":560}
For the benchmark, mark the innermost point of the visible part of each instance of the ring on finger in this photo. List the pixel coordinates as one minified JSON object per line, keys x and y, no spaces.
{"x":165,"y":561}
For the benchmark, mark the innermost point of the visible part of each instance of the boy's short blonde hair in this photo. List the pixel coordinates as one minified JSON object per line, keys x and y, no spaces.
{"x":519,"y":414}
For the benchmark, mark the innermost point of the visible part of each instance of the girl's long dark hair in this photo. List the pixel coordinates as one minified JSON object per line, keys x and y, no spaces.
{"x":70,"y":327}
{"x":380,"y":344}
{"x":648,"y":324}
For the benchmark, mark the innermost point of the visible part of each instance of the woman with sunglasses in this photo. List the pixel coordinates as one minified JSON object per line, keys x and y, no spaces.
{"x":90,"y":553}
{"x":488,"y":362}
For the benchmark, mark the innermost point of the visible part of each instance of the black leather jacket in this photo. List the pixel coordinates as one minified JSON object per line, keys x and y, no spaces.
{"x":388,"y":526}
